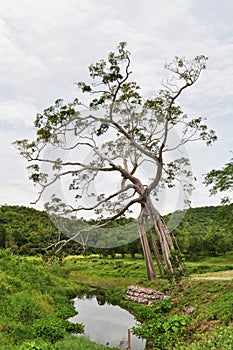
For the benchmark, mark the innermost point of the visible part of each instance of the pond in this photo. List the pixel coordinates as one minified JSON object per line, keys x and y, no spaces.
{"x":105,"y":323}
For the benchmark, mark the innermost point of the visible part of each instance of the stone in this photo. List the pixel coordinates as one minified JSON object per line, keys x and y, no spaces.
{"x":144,"y":295}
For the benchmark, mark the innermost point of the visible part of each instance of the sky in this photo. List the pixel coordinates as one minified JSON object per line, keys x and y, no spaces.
{"x":46,"y":47}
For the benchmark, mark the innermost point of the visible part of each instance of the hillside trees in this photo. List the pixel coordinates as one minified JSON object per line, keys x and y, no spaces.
{"x":101,"y":149}
{"x":205,"y":231}
{"x":25,"y":230}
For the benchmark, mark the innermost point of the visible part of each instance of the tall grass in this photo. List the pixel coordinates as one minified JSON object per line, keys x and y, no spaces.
{"x":80,"y":343}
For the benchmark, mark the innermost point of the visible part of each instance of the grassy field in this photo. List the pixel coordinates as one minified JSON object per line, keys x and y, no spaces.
{"x":36,"y":301}
{"x":107,"y":272}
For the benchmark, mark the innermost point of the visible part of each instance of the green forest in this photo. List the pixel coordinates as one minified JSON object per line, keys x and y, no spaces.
{"x":204,"y":231}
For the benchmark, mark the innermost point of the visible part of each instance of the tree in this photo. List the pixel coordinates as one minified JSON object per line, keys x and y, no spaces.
{"x":220,"y":180}
{"x":117,"y":135}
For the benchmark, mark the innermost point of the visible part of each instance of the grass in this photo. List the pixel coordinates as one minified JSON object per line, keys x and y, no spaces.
{"x":102,"y":282}
{"x":35,"y":302}
{"x":201,"y":316}
{"x":198,"y":315}
{"x":104,"y":272}
{"x":79,"y":343}
{"x":222,"y":261}
{"x":70,"y":342}
{"x":108,"y":272}
{"x":219,"y":275}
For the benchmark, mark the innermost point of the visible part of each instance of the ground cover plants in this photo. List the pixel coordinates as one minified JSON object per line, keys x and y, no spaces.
{"x":35,"y":304}
{"x":198,"y":315}
{"x":127,"y":270}
{"x":36,"y":300}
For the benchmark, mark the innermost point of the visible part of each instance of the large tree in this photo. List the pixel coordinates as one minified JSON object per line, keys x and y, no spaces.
{"x":109,"y":138}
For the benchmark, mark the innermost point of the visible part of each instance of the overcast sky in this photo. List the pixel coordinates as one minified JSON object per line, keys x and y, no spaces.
{"x":47,"y":45}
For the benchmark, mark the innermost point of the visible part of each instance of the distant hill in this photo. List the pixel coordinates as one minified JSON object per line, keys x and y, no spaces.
{"x":25,"y":230}
{"x":202,"y":231}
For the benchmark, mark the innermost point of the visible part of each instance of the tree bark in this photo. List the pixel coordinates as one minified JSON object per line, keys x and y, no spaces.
{"x":151,"y":274}
{"x":155,"y":249}
{"x":148,"y":220}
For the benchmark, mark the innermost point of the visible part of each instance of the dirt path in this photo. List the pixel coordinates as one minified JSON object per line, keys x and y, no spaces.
{"x":221,"y":276}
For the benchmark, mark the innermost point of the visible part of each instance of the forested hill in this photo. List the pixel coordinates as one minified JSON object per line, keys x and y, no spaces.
{"x":25,"y":230}
{"x":202,"y":231}
{"x":205,"y":230}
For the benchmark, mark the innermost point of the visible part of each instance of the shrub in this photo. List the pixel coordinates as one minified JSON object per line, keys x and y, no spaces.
{"x":53,"y":328}
{"x":163,"y":332}
{"x":24,"y":308}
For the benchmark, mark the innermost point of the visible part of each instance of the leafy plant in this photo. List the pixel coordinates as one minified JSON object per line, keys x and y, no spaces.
{"x":39,"y":344}
{"x":163,"y":333}
{"x":220,"y":339}
{"x":53,"y":328}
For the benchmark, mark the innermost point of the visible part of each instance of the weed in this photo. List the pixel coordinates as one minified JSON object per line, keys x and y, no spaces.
{"x":39,"y":344}
{"x":53,"y":328}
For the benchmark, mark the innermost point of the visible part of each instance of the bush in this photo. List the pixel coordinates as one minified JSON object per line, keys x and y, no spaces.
{"x":53,"y":328}
{"x":15,"y":331}
{"x":162,"y":331}
{"x":24,"y":308}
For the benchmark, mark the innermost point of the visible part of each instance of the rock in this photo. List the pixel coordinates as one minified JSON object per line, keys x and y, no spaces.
{"x":188,"y":310}
{"x":144,"y":295}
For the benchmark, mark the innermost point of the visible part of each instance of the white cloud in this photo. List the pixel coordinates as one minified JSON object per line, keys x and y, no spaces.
{"x":16,"y":113}
{"x":46,"y":46}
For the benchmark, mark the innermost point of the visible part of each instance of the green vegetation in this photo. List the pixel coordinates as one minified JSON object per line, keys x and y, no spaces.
{"x":221,"y":180}
{"x":70,"y":343}
{"x":36,"y":297}
{"x":28,"y":231}
{"x":198,"y":315}
{"x":36,"y":302}
{"x":191,"y":319}
{"x":205,"y":231}
{"x":108,"y":272}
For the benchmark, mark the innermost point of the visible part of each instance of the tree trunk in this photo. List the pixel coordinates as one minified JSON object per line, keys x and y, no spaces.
{"x":151,"y":274}
{"x":148,"y":220}
{"x":155,"y":249}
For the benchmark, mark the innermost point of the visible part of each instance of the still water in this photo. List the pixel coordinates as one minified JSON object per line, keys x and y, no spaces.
{"x":106,"y":323}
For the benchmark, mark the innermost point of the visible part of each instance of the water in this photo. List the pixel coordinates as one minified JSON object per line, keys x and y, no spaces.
{"x":106,"y":323}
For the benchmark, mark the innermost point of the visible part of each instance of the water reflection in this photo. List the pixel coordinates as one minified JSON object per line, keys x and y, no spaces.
{"x":106,"y":323}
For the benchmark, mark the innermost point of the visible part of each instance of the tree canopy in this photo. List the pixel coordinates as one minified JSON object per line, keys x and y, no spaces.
{"x":103,"y":149}
{"x":221,"y":180}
